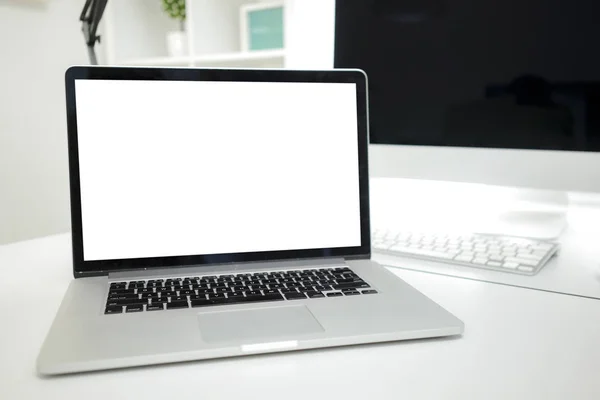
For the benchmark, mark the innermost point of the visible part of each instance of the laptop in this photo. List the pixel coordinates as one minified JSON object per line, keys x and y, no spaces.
{"x":219,"y":213}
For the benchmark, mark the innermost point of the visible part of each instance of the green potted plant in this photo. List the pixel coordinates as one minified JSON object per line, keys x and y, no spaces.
{"x":176,"y":40}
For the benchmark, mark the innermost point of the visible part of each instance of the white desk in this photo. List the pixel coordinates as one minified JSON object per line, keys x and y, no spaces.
{"x":518,"y":344}
{"x":440,"y":206}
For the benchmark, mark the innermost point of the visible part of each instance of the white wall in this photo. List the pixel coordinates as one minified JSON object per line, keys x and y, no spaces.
{"x":38,"y":41}
{"x":309,"y":33}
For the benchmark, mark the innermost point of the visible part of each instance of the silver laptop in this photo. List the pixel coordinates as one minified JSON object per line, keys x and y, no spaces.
{"x":220,"y":213}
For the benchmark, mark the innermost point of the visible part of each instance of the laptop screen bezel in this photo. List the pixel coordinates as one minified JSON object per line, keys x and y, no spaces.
{"x":82,"y":268}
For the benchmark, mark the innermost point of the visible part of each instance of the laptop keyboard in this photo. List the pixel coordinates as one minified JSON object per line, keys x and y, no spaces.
{"x":178,"y":293}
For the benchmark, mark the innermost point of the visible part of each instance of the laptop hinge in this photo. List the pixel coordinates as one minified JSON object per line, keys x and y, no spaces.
{"x":228,"y":268}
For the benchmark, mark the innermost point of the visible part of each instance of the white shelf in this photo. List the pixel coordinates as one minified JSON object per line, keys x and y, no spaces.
{"x":242,"y":59}
{"x":159,"y":62}
{"x":262,"y":58}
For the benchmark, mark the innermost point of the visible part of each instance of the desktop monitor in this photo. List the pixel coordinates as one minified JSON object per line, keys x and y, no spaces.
{"x":496,"y":92}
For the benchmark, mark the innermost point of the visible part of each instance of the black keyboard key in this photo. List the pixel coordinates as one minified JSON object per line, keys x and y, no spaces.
{"x":342,"y":269}
{"x":178,"y":298}
{"x":222,"y":290}
{"x":239,"y":288}
{"x":201,"y":303}
{"x":234,"y":295}
{"x":271,"y":291}
{"x":205,"y":291}
{"x":216,"y":296}
{"x":114,"y":292}
{"x":369,"y":291}
{"x":314,"y":295}
{"x":155,"y":307}
{"x":268,"y":297}
{"x":353,"y":285}
{"x":277,"y":286}
{"x":124,"y":296}
{"x":342,"y":280}
{"x":258,"y":287}
{"x":127,"y":302}
{"x":149,"y":295}
{"x":323,"y":288}
{"x":253,"y":293}
{"x":351,"y":292}
{"x":334,"y":294}
{"x":113,"y":310}
{"x":177,"y":304}
{"x":134,"y":308}
{"x":305,"y":289}
{"x":294,"y":295}
{"x":159,"y":300}
{"x":186,"y":292}
{"x":136,"y":286}
{"x":146,"y":290}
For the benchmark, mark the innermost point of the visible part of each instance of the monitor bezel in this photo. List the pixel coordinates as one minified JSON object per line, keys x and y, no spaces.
{"x":83,"y":268}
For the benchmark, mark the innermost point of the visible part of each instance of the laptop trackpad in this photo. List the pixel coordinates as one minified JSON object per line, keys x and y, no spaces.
{"x":257,"y":323}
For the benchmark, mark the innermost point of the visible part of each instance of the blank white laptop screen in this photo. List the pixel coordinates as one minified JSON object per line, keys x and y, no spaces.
{"x":172,"y":168}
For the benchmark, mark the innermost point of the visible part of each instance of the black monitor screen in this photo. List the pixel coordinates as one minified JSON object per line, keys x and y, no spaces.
{"x":477,"y":73}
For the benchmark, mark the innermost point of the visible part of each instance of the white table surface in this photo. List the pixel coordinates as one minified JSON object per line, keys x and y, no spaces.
{"x":518,"y":344}
{"x":444,"y":206}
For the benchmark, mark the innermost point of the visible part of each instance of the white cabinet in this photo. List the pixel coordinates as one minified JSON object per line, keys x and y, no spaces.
{"x":136,"y":30}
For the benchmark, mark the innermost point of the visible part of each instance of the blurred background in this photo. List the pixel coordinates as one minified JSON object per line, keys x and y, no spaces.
{"x":40,"y":39}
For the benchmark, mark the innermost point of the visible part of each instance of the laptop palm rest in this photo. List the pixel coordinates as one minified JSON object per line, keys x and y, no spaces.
{"x":246,"y":326}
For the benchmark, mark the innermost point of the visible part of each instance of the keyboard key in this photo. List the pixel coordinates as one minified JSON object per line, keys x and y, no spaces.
{"x":351,"y":293}
{"x":523,"y":261}
{"x":115,"y":292}
{"x":314,"y":294}
{"x":334,"y":294}
{"x":177,"y":304}
{"x":277,"y":286}
{"x":113,"y":310}
{"x":526,"y":269}
{"x":134,"y":308}
{"x":510,"y":265}
{"x":369,"y":291}
{"x":154,"y":307}
{"x":271,"y":291}
{"x":124,"y":296}
{"x":294,"y":295}
{"x":354,"y":285}
{"x":131,"y":301}
{"x":120,"y":285}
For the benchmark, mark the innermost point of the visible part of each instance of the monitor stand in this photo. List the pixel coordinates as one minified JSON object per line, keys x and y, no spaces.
{"x":536,"y":214}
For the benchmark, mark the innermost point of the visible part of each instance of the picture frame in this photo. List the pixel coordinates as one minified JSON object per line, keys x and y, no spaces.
{"x":262,"y":26}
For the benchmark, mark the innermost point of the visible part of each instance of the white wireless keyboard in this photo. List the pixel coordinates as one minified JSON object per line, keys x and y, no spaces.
{"x":498,"y":253}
